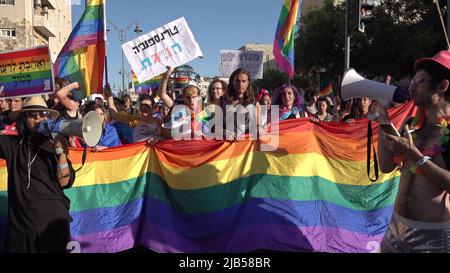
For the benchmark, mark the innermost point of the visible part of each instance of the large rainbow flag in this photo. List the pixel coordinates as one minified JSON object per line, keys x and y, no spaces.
{"x":82,"y":58}
{"x":283,"y":45}
{"x":311,"y":194}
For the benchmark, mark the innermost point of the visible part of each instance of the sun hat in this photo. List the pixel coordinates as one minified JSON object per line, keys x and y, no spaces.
{"x":32,"y":104}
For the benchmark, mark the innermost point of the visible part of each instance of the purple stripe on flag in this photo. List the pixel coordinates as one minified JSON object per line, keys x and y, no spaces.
{"x":258,"y":236}
{"x":82,"y":41}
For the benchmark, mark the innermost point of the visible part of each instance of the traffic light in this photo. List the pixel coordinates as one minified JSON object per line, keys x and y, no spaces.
{"x":364,"y":13}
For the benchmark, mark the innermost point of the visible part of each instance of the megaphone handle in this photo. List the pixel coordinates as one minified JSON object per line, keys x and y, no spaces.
{"x":83,"y":158}
{"x":49,"y":132}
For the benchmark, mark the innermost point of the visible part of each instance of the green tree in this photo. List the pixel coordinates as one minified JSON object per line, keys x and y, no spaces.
{"x":400,"y":33}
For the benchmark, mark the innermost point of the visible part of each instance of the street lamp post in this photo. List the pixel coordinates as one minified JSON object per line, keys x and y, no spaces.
{"x":122,"y":38}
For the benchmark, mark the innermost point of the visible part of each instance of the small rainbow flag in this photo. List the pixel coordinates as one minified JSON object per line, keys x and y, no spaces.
{"x":283,"y":45}
{"x":212,"y":196}
{"x":82,"y":58}
{"x":181,"y":82}
{"x":326,"y":88}
{"x":145,"y":87}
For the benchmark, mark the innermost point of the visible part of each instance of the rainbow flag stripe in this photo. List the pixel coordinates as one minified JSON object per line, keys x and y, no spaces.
{"x":283,"y":45}
{"x":311,"y":194}
{"x":82,"y":58}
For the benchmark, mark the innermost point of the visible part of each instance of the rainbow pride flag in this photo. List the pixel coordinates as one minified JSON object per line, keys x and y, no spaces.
{"x":311,"y":194}
{"x":82,"y":58}
{"x":181,"y":81}
{"x":326,"y":88}
{"x":283,"y":45}
{"x":145,"y":87}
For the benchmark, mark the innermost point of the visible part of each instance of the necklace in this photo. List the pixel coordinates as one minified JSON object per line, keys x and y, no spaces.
{"x":30,"y":161}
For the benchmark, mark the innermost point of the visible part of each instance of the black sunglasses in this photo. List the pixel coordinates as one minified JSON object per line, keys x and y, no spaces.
{"x":36,"y":114}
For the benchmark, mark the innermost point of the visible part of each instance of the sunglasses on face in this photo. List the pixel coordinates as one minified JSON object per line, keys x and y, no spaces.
{"x":35,"y":115}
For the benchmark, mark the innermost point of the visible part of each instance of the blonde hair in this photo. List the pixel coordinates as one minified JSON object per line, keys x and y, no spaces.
{"x":190,"y":90}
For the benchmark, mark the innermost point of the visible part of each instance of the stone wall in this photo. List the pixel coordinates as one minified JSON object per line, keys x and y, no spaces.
{"x":21,"y":40}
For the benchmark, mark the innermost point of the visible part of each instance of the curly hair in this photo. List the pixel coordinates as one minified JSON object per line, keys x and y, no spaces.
{"x":224,"y":88}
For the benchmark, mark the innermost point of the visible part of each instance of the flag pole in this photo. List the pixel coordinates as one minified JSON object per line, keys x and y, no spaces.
{"x":106,"y":44}
{"x":442,"y":23}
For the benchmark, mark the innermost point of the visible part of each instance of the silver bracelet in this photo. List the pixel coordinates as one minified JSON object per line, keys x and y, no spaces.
{"x":422,"y":161}
{"x":63,"y":166}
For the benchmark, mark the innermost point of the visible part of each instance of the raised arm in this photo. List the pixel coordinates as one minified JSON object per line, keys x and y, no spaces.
{"x":112,"y":107}
{"x":162,"y":90}
{"x":62,"y":93}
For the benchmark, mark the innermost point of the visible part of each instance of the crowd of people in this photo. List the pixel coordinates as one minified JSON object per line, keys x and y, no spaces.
{"x":36,"y":197}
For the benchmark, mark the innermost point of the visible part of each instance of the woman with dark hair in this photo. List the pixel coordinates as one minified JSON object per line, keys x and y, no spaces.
{"x":127,"y":104}
{"x":290,"y":102}
{"x":38,"y":172}
{"x":109,"y":138}
{"x":360,"y":110}
{"x":311,"y":97}
{"x":323,"y":104}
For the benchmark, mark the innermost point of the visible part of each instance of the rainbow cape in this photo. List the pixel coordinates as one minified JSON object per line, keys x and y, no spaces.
{"x":283,"y":45}
{"x":311,"y":194}
{"x":82,"y":58}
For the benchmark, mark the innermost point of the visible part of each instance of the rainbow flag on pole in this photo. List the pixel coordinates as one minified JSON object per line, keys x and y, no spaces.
{"x":312,"y":194}
{"x":326,"y":88}
{"x":82,"y":58}
{"x":283,"y":45}
{"x":147,"y":86}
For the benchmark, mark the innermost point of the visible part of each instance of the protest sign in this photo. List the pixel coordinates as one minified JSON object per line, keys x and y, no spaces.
{"x":26,"y":72}
{"x":231,"y":60}
{"x":170,"y":45}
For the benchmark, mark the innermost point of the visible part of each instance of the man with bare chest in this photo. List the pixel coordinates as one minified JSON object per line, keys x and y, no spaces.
{"x":421,"y":218}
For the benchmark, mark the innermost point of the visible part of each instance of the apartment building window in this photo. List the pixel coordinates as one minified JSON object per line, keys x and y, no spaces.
{"x":7,"y":33}
{"x":7,"y":2}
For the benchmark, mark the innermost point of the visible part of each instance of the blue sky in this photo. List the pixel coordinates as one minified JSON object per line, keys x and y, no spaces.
{"x":216,"y":24}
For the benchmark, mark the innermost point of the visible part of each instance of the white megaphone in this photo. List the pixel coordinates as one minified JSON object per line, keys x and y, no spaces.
{"x":356,"y":86}
{"x":89,"y":128}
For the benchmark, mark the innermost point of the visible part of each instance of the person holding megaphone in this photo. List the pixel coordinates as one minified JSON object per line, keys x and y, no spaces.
{"x":38,"y":172}
{"x":421,"y":218}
